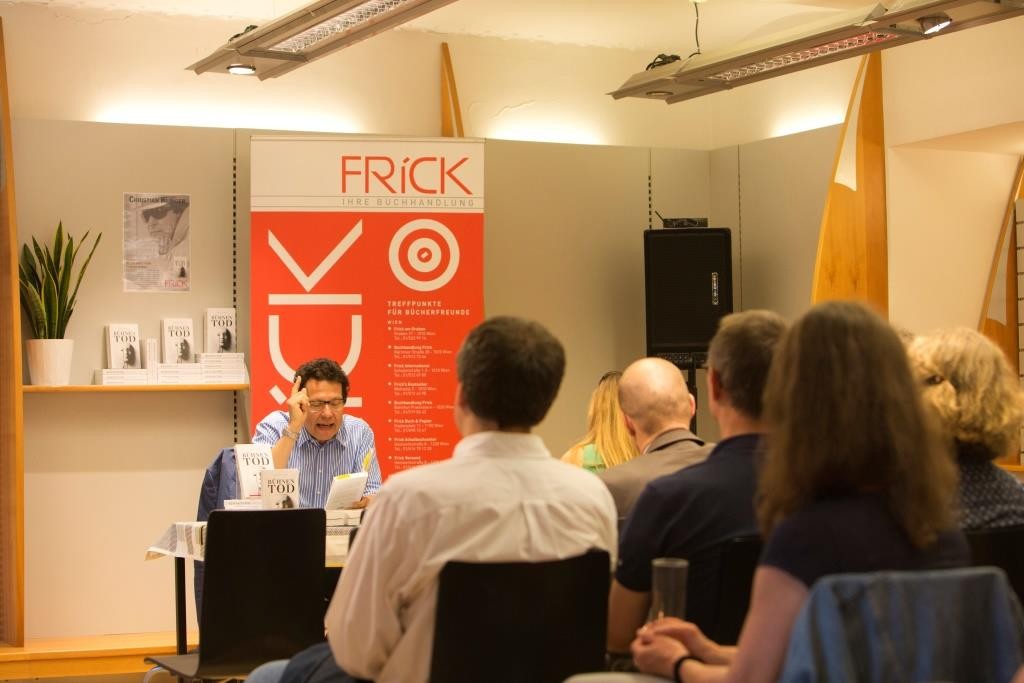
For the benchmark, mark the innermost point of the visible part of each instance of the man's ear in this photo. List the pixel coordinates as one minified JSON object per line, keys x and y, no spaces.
{"x":630,"y":425}
{"x":714,"y":384}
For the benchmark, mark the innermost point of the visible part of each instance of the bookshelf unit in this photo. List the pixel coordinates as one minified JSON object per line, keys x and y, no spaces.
{"x":141,"y":448}
{"x":120,"y":388}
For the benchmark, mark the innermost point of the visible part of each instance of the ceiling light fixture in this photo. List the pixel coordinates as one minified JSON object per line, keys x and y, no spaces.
{"x":933,"y":24}
{"x":241,"y":69}
{"x":847,"y":35}
{"x":311,"y":32}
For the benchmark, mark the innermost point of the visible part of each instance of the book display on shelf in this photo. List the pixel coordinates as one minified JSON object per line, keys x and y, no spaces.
{"x":212,"y":368}
{"x":123,"y":350}
{"x":279,"y":489}
{"x":250,"y":460}
{"x":220,"y":331}
{"x":178,"y":340}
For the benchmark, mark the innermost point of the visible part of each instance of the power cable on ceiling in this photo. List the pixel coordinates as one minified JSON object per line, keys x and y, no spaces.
{"x":696,"y":30}
{"x":663,"y":59}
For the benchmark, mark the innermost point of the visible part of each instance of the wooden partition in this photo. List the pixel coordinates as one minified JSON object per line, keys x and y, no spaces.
{"x":12,"y":556}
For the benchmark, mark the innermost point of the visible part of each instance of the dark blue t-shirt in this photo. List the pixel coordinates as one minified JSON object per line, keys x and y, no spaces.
{"x":854,"y":534}
{"x":687,"y":514}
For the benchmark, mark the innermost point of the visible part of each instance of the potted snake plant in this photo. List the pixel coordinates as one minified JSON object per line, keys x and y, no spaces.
{"x":49,"y":289}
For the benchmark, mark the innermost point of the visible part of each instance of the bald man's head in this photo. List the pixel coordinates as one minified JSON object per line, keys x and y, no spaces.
{"x":654,"y":396}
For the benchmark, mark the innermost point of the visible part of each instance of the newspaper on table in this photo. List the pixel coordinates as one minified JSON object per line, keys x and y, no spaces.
{"x":182,"y":539}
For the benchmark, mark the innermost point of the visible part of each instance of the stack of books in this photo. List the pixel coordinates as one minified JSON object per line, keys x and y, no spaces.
{"x":179,"y":373}
{"x":340,"y":524}
{"x":223,"y":368}
{"x":121,"y":377}
{"x":343,"y":519}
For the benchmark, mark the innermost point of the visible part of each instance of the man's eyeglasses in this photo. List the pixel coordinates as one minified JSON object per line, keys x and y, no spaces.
{"x":317,"y":406}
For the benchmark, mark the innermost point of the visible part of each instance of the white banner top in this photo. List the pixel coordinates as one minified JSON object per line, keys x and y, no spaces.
{"x":366,"y":174}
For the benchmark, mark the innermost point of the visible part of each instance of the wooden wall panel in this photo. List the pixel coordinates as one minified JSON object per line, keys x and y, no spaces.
{"x":852,"y":260}
{"x":1001,"y":291}
{"x":12,"y":539}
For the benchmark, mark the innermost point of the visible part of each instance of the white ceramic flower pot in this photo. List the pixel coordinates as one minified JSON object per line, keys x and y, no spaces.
{"x":49,"y":361}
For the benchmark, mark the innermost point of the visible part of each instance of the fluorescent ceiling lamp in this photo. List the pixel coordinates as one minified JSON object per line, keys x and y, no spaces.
{"x":851,"y":34}
{"x":934,"y":24}
{"x":311,"y":32}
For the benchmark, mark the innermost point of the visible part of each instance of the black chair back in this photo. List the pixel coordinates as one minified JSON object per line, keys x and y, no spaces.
{"x":1003,"y":548}
{"x":262,"y":590}
{"x":521,"y":621}
{"x":738,"y":562}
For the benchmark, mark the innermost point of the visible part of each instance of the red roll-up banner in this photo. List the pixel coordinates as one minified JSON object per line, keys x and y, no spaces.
{"x":370,"y":252}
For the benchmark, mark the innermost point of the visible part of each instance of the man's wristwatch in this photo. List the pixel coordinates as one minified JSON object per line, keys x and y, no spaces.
{"x":294,"y":436}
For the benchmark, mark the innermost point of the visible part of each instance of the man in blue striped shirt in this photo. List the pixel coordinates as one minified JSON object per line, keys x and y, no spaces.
{"x":315,"y":436}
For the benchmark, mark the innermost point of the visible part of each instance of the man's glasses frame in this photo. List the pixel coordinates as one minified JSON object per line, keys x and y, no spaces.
{"x":317,"y":406}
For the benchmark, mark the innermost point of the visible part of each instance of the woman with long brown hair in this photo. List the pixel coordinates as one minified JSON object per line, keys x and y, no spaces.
{"x":856,"y":479}
{"x":607,"y":442}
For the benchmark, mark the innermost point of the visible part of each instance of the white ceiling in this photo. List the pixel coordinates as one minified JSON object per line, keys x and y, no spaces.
{"x":652,"y":25}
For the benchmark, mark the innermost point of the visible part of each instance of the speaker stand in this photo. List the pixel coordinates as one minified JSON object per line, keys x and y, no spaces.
{"x":691,"y":383}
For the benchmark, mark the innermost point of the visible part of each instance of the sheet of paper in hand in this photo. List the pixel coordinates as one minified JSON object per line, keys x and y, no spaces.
{"x":346,"y":490}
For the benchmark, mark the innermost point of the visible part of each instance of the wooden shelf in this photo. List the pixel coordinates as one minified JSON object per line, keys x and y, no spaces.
{"x":86,"y":655}
{"x":114,"y":388}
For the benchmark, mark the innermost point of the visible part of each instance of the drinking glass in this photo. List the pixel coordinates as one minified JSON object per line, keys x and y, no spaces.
{"x":668,"y":587}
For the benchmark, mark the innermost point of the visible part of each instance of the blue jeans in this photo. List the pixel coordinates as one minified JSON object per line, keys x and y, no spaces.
{"x":313,"y":665}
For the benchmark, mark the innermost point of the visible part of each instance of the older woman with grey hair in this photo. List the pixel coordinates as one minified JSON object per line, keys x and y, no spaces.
{"x":978,"y":399}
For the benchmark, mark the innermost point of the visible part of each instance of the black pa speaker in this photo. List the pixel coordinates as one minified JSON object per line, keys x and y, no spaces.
{"x":688,"y":278}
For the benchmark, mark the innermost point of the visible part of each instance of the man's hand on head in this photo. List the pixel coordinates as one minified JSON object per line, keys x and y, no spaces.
{"x":298,"y":406}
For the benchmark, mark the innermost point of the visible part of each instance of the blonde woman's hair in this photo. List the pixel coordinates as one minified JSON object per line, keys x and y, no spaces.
{"x":969,"y":383}
{"x":606,"y":428}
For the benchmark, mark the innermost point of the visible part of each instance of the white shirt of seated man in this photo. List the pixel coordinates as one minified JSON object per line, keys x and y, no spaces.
{"x":501,"y":497}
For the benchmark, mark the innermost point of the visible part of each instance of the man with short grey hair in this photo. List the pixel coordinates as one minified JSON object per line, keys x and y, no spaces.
{"x":689,"y":513}
{"x":657,"y":407}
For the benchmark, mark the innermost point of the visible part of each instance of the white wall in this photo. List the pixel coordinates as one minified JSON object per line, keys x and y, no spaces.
{"x":945,"y":212}
{"x":951,"y":84}
{"x":106,"y":473}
